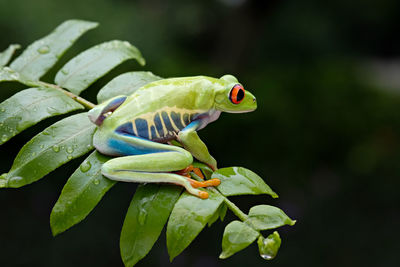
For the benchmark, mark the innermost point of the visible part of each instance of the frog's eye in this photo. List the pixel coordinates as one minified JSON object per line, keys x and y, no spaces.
{"x":236,"y":95}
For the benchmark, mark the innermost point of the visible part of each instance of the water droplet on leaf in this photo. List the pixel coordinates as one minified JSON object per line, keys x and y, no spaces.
{"x":64,"y":71}
{"x":96,"y":181}
{"x":44,"y":49}
{"x":85,"y":166}
{"x":70,"y":150}
{"x":268,"y":247}
{"x":69,"y":157}
{"x":4,"y":138}
{"x":142,"y":216}
{"x":56,"y":148}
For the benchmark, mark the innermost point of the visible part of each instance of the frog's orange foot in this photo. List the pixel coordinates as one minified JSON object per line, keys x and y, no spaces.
{"x":203,"y":195}
{"x":190,"y":168}
{"x":211,"y":182}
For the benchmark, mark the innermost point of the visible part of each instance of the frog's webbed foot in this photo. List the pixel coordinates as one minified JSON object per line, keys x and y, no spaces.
{"x":196,"y":184}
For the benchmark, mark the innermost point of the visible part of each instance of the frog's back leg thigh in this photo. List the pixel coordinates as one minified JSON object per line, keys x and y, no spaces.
{"x":153,"y":165}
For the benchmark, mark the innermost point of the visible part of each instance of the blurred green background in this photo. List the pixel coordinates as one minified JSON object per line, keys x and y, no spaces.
{"x":325,"y":135}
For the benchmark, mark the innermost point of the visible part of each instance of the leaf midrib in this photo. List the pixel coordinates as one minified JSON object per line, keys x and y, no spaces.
{"x":48,"y":148}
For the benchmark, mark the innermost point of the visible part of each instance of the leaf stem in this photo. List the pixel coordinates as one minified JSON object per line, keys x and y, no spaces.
{"x":235,"y":209}
{"x":78,"y":99}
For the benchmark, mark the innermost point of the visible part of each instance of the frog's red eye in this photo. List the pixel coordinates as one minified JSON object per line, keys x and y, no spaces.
{"x":236,"y":95}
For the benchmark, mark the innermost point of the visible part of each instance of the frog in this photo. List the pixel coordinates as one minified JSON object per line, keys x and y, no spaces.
{"x":137,"y":130}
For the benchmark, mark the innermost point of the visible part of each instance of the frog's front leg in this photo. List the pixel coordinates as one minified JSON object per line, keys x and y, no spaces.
{"x":191,"y":142}
{"x":155,"y":166}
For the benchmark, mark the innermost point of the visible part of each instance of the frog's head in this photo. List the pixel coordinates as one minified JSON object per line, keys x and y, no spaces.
{"x":233,"y":98}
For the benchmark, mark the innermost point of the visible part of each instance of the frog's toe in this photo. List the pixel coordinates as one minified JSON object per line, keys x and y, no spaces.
{"x":211,"y":182}
{"x":190,"y":168}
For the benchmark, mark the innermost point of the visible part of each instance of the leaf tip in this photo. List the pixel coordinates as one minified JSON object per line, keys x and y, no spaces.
{"x":224,"y":255}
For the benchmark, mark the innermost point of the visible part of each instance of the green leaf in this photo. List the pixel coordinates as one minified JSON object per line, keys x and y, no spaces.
{"x":240,"y":181}
{"x":264,"y":217}
{"x":41,"y":55}
{"x":83,"y":190}
{"x":126,"y":84}
{"x":90,"y":65}
{"x":66,"y":139}
{"x":8,"y":75}
{"x":237,"y":236}
{"x":6,"y":55}
{"x":30,"y":106}
{"x":145,"y":219}
{"x":268,"y":247}
{"x":188,"y":218}
{"x":219,"y":213}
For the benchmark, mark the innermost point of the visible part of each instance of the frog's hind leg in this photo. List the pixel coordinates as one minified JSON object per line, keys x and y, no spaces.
{"x":153,"y":168}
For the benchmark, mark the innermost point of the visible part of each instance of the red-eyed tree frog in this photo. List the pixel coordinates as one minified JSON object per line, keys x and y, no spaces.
{"x":137,"y":128}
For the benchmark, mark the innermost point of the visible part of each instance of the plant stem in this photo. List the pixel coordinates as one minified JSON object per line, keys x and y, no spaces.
{"x":78,"y":99}
{"x":235,"y":209}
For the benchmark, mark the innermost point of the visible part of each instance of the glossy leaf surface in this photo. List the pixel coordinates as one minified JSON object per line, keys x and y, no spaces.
{"x":237,"y":236}
{"x":41,"y":55}
{"x":80,"y":195}
{"x":145,"y":219}
{"x":6,"y":55}
{"x":90,"y":65}
{"x":30,"y":106}
{"x":264,"y":217}
{"x":268,"y":247}
{"x":66,"y":139}
{"x":188,"y":218}
{"x":7,"y":75}
{"x":126,"y":84}
{"x":241,"y":181}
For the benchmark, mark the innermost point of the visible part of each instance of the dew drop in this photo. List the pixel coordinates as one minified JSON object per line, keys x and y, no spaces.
{"x":64,"y":71}
{"x":33,"y":154}
{"x":85,"y":166}
{"x":69,"y":157}
{"x":4,"y":138}
{"x":51,"y":110}
{"x":44,"y":49}
{"x":56,"y":148}
{"x":41,"y":146}
{"x":2,"y":109}
{"x":46,"y":133}
{"x":96,"y":181}
{"x":70,"y":150}
{"x":1,"y":124}
{"x":142,"y":216}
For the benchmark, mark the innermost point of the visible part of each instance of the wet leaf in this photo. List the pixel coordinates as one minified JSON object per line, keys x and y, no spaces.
{"x":268,"y":247}
{"x":188,"y":218}
{"x":66,"y":139}
{"x":219,"y":213}
{"x":240,"y":181}
{"x":30,"y":106}
{"x":237,"y":236}
{"x":6,"y":55}
{"x":41,"y":55}
{"x":80,"y":195}
{"x":90,"y":65}
{"x":264,"y":217}
{"x":126,"y":84}
{"x":145,"y":219}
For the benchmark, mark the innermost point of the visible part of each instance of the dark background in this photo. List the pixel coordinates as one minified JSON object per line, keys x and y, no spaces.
{"x":325,"y":135}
